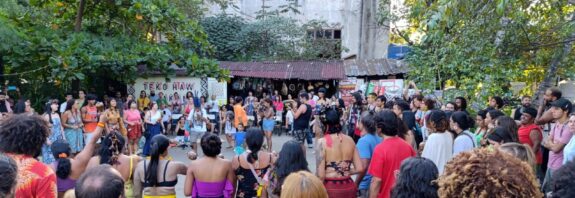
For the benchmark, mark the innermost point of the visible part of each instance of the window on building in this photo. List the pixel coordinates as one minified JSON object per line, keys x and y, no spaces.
{"x":324,"y":34}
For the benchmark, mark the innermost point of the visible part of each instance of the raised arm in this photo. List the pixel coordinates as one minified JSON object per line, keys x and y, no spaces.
{"x":82,"y":159}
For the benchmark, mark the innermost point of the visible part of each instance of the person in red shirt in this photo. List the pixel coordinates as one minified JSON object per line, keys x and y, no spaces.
{"x":21,"y":138}
{"x":388,"y":155}
{"x":529,"y":133}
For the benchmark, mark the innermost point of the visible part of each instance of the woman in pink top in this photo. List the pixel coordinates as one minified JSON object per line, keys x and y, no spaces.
{"x":133,"y":118}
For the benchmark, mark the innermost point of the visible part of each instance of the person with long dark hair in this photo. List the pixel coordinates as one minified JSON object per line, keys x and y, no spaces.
{"x":115,"y":121}
{"x":52,"y":116}
{"x":157,"y":177}
{"x":266,"y":112}
{"x":210,"y":176}
{"x":365,"y":146}
{"x":439,"y":145}
{"x":252,"y":167}
{"x":496,"y":102}
{"x":72,"y":122}
{"x":460,"y":123}
{"x":461,"y":104}
{"x":510,"y":124}
{"x":416,"y":178}
{"x":354,"y":113}
{"x":111,"y":153}
{"x":68,"y":169}
{"x":90,"y":117}
{"x":388,"y":155}
{"x":153,"y":125}
{"x":291,"y":159}
{"x":335,"y":155}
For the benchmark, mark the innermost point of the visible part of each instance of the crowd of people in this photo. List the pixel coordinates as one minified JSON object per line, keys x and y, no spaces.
{"x":374,"y":146}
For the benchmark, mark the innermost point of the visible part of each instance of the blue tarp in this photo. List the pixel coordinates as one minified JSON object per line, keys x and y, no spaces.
{"x":397,"y":51}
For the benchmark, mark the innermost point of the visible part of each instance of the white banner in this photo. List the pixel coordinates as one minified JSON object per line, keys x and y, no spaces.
{"x":180,"y":85}
{"x":220,"y":89}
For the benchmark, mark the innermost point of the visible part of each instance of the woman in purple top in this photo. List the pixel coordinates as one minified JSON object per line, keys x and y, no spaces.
{"x":210,"y":176}
{"x":69,"y":169}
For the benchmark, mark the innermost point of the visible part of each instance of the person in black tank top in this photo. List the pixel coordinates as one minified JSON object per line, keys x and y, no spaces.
{"x":302,"y":117}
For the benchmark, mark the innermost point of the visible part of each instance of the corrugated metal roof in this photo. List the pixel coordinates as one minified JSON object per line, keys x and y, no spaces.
{"x":305,"y":70}
{"x":374,"y":67}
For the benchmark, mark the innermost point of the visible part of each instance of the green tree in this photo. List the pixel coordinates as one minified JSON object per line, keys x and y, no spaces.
{"x":482,"y":46}
{"x":272,"y":37}
{"x":55,"y":42}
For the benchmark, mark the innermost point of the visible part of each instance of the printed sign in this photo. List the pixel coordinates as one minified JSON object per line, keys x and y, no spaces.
{"x":177,"y":85}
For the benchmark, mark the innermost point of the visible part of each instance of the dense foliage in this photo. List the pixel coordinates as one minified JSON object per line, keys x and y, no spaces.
{"x":272,"y":37}
{"x":479,"y":47}
{"x":45,"y":46}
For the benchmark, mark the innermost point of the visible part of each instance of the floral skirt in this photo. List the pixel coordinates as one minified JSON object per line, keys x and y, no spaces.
{"x":75,"y":138}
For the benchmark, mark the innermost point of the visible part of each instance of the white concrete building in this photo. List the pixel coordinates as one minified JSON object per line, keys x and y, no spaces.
{"x":352,"y":21}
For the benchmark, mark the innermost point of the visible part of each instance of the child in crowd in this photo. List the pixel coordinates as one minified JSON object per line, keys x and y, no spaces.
{"x":229,"y":128}
{"x":181,"y":133}
{"x":240,"y":137}
{"x":289,"y":119}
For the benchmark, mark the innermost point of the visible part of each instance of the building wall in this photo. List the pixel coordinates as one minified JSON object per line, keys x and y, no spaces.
{"x":361,"y":36}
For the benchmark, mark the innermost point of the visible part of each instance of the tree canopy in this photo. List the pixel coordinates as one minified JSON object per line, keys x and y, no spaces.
{"x":481,"y":46}
{"x":56,"y":42}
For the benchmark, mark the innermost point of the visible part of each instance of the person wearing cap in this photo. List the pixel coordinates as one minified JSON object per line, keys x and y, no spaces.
{"x":531,"y":134}
{"x":558,"y":138}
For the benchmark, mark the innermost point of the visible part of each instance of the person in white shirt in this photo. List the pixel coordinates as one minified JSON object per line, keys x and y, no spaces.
{"x":167,"y":117}
{"x":214,"y":111}
{"x":460,"y":123}
{"x":196,"y":125}
{"x":439,"y":145}
{"x":63,"y":105}
{"x":289,"y":120}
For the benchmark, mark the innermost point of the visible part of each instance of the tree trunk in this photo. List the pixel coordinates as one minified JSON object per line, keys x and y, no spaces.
{"x":79,"y":15}
{"x":78,"y":28}
{"x":552,"y":70}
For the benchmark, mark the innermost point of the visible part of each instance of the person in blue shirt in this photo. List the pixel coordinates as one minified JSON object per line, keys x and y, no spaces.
{"x":366,"y":145}
{"x":240,"y":137}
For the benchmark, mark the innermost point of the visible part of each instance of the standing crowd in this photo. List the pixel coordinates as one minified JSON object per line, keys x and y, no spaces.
{"x":374,"y":146}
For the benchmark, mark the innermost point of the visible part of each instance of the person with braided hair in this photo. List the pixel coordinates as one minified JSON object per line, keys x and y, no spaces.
{"x":488,"y":173}
{"x":68,"y":169}
{"x":252,"y":168}
{"x":335,"y":155}
{"x":111,"y":153}
{"x":158,"y":176}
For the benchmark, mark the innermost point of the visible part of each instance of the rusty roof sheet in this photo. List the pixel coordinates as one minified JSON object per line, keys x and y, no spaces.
{"x":375,"y":67}
{"x":305,"y":70}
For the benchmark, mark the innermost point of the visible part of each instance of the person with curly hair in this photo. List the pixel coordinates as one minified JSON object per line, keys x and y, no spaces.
{"x":487,"y":173}
{"x":21,"y":138}
{"x":9,"y":174}
{"x":111,"y":153}
{"x":416,"y":178}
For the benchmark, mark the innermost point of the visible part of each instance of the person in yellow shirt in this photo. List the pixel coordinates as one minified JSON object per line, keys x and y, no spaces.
{"x":143,"y":100}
